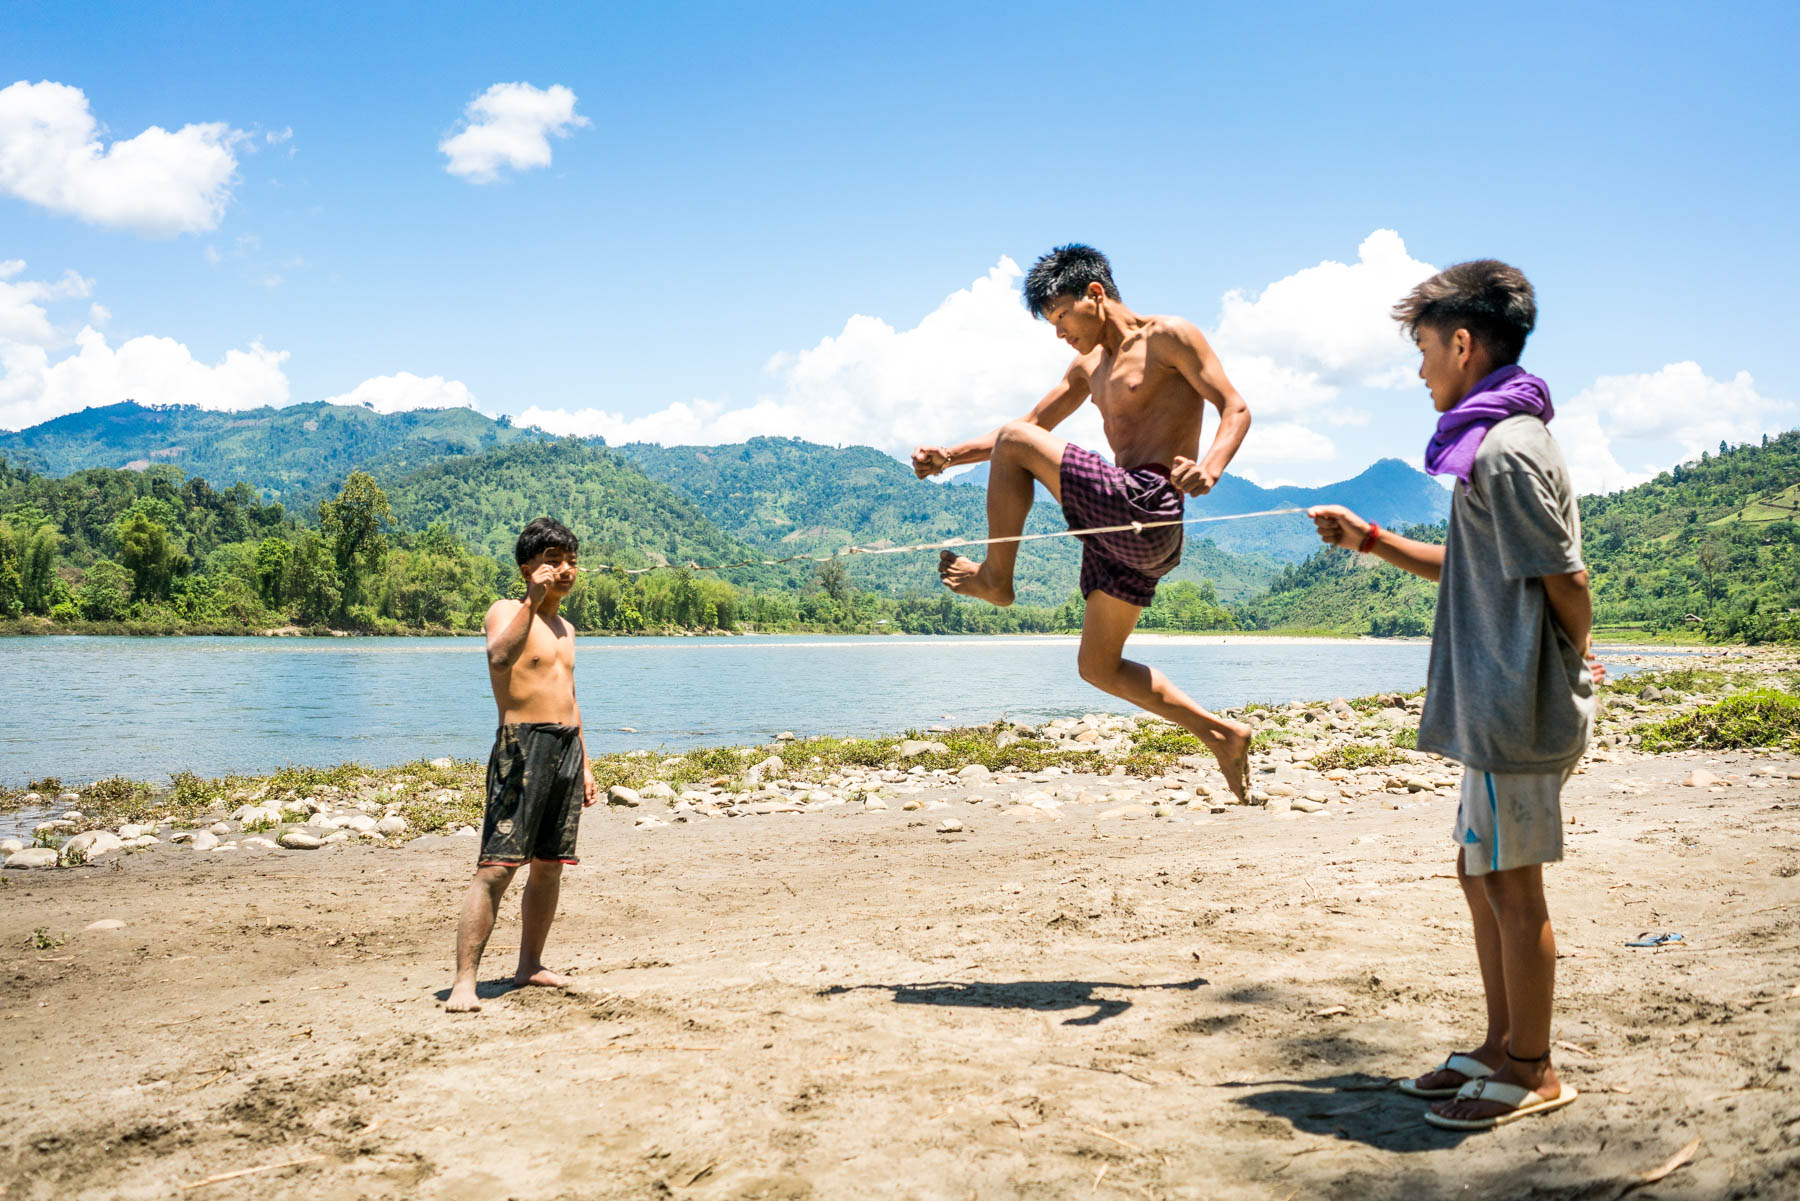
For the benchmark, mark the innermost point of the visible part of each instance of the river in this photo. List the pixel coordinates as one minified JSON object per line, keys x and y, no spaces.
{"x":85,"y":708}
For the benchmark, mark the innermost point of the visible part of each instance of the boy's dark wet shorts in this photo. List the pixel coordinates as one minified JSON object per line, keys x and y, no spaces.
{"x":1126,"y":565}
{"x":534,"y":794}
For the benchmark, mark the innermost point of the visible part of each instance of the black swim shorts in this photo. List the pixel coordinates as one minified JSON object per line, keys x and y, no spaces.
{"x":534,"y":794}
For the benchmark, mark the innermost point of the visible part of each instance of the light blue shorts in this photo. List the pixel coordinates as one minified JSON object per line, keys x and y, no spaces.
{"x":1509,"y":820}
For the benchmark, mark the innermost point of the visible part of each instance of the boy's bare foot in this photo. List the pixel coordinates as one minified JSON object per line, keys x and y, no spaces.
{"x":965,"y":577}
{"x":462,"y":998}
{"x":543,"y":977}
{"x":1234,"y":760}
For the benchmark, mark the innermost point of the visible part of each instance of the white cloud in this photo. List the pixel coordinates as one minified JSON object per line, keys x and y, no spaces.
{"x":975,"y":361}
{"x":1330,"y":324}
{"x":45,"y":371}
{"x":403,"y":391}
{"x":1589,"y":452}
{"x":1682,"y":404}
{"x":157,"y":183}
{"x":510,"y":125}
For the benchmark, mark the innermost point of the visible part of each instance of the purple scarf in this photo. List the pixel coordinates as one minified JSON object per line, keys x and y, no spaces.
{"x":1508,"y":392}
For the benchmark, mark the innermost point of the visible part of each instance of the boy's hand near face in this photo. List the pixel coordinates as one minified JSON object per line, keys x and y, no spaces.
{"x":1191,"y":477}
{"x":537,"y":585}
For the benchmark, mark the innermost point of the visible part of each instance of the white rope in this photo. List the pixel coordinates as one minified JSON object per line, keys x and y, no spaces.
{"x":1135,"y":527}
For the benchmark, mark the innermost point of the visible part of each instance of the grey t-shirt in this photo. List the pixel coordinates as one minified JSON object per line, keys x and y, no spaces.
{"x":1507,"y":690}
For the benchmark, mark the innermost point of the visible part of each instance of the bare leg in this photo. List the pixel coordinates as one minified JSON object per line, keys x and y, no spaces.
{"x":1025,"y":455}
{"x":480,"y":905}
{"x":538,"y":910}
{"x":1528,"y":956}
{"x":1492,"y":1050}
{"x":1108,"y":623}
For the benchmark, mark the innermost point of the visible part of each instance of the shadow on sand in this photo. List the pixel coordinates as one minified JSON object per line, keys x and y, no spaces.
{"x":1351,"y":1106}
{"x":1019,"y":994}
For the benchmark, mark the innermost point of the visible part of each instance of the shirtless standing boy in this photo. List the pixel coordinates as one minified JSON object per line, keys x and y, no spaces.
{"x":1148,"y":376}
{"x":539,"y":767}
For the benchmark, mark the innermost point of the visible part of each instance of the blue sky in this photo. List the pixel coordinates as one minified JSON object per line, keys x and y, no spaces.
{"x":806,"y":219}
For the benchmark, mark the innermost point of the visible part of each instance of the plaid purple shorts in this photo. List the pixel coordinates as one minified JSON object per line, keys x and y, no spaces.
{"x":1095,"y":493}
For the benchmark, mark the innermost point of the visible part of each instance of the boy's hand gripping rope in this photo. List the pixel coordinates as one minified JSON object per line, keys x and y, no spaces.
{"x":1136,"y":527}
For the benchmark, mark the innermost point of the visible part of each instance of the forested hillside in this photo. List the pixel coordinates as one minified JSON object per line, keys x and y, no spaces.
{"x":298,"y":454}
{"x":1711,"y":546}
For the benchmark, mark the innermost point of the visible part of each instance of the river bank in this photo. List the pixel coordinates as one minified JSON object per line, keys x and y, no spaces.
{"x":1066,"y":980}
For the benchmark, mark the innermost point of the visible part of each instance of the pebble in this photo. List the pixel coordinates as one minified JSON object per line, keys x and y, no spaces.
{"x":950,"y":825}
{"x":974,"y":773}
{"x":1305,"y":806}
{"x":32,"y":857}
{"x":130,"y":831}
{"x":1279,"y":805}
{"x":300,"y":840}
{"x":339,"y":836}
{"x":105,"y":923}
{"x":221,"y":828}
{"x":443,"y":761}
{"x":918,"y":746}
{"x":618,"y":794}
{"x":393,"y":823}
{"x":656,"y":790}
{"x":874,"y":802}
{"x":204,"y":840}
{"x":257,"y":842}
{"x":362,"y":823}
{"x":9,"y":845}
{"x":1700,"y":778}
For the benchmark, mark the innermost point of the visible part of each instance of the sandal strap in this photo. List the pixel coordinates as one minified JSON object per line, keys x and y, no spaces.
{"x":1466,"y":1065}
{"x":1499,"y":1092}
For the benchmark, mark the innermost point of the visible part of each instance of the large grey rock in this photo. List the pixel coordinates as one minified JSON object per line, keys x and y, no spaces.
{"x":362,"y":823}
{"x":656,"y":790}
{"x":84,"y":848}
{"x":975,"y":773}
{"x":300,"y":840}
{"x":204,"y":840}
{"x":618,"y":794}
{"x":918,"y":746}
{"x":9,"y":845}
{"x":393,"y":823}
{"x":32,"y":857}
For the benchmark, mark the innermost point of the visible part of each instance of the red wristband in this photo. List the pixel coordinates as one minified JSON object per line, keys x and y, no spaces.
{"x":1370,"y":538}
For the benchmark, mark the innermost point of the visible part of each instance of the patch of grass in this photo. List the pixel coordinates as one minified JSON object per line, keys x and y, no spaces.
{"x":1376,"y":702}
{"x":1359,"y":754}
{"x":43,"y":940}
{"x":1679,"y":680}
{"x":1762,"y":717}
{"x":49,"y":840}
{"x":1163,"y":739}
{"x":1406,"y":739}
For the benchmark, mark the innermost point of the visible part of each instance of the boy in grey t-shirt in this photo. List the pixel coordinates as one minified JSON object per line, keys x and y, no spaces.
{"x":1510,"y":686}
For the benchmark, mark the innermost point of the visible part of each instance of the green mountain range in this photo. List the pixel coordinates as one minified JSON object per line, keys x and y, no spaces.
{"x":769,"y":496}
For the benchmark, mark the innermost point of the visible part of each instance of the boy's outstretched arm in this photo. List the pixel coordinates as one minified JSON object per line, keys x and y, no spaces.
{"x":1049,"y":412}
{"x":1193,"y":356}
{"x":1338,"y":526}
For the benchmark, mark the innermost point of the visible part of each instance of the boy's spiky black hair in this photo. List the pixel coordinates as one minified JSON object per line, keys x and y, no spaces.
{"x":540,"y":536}
{"x":1490,"y":299}
{"x":1066,"y":271}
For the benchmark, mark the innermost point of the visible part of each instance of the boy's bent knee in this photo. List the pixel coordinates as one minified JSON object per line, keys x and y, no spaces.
{"x":548,"y":869}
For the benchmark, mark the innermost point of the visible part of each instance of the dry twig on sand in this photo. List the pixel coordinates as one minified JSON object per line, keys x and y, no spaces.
{"x":268,"y":1167}
{"x":1659,"y":1171}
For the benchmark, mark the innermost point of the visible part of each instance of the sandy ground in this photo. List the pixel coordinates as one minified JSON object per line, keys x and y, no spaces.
{"x":854,"y":1005}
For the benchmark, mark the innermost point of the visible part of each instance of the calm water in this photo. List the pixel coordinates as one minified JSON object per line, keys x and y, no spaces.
{"x":85,"y":708}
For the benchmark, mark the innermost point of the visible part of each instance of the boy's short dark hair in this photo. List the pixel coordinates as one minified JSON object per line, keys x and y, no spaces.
{"x":1066,"y":271}
{"x":1490,"y":299}
{"x":540,"y":536}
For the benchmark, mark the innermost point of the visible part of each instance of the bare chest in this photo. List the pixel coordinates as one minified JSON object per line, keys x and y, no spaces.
{"x":1133,"y":379}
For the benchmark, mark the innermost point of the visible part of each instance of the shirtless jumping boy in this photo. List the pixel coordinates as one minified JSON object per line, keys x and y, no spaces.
{"x":1148,"y":376}
{"x":539,"y":778}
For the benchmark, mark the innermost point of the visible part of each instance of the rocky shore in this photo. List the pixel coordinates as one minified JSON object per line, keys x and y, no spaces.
{"x":1317,"y":758}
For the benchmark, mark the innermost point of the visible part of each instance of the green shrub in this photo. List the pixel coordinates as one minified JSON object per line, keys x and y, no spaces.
{"x":1761,"y":717}
{"x":1359,"y":754}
